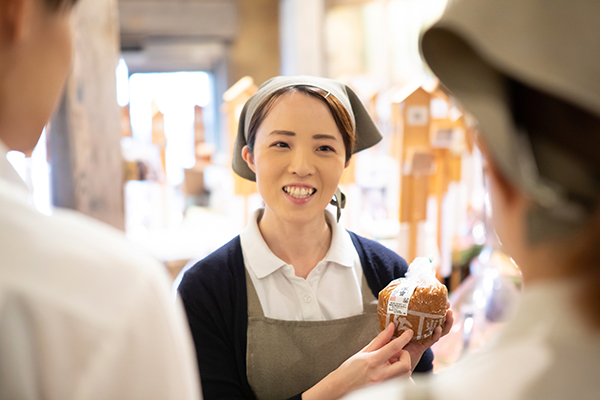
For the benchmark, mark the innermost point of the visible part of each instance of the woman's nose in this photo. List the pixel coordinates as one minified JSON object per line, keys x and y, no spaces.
{"x":301,"y":163}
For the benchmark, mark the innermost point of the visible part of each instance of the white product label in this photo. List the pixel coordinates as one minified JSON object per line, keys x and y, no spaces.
{"x":417,"y":115}
{"x":400,"y":297}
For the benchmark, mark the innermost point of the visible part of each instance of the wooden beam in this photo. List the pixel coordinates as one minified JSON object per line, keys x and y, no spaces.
{"x":255,"y":51}
{"x":217,"y":19}
{"x":84,"y":136}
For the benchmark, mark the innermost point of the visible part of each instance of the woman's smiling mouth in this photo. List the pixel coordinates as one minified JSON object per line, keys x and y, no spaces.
{"x":299,"y":192}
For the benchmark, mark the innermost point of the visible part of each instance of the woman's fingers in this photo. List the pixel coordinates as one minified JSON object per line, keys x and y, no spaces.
{"x":385,"y":336}
{"x":382,"y":339}
{"x":437,"y":334}
{"x":394,"y":347}
{"x":418,"y":348}
{"x":401,"y":366}
{"x":449,"y":322}
{"x":375,"y":363}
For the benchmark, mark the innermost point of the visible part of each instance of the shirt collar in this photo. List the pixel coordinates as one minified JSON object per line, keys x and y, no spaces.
{"x":342,"y":248}
{"x":262,"y":260}
{"x":8,"y":174}
{"x":558,"y":296}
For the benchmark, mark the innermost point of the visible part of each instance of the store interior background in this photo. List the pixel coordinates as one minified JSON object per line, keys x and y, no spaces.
{"x":143,"y":136}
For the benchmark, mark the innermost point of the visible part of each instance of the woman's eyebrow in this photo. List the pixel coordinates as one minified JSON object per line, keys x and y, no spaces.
{"x":324,"y":136}
{"x":281,"y":132}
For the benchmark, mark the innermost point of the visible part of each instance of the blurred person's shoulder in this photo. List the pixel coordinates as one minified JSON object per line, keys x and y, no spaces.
{"x":68,"y":258}
{"x":80,"y":308}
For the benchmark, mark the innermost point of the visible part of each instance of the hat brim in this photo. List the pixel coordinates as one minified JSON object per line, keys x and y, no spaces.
{"x":479,"y":87}
{"x":480,"y":83}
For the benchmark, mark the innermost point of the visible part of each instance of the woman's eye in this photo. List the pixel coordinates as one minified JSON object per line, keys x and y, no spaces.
{"x":326,"y":148}
{"x":280,"y":145}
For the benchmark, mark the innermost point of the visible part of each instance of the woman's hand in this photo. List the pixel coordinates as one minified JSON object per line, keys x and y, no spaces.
{"x":416,"y":350}
{"x":379,"y":360}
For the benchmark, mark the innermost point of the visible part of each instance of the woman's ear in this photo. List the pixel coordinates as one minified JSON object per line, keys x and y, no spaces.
{"x":506,"y":189}
{"x":249,"y":158}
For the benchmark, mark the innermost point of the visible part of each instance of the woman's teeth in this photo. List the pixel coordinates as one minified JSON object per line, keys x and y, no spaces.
{"x":299,"y":193}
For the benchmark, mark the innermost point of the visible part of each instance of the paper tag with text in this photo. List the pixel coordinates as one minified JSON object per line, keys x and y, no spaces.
{"x":400,"y":297}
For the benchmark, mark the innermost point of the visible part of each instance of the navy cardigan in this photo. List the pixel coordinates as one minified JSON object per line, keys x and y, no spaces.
{"x":214,"y":294}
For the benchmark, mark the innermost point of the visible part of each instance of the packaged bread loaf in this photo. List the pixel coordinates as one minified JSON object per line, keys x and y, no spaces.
{"x":417,"y":301}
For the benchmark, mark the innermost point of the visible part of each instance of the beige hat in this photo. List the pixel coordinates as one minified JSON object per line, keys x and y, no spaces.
{"x":367,"y":134}
{"x":550,"y":45}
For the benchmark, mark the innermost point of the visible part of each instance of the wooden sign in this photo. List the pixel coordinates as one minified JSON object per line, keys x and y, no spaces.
{"x":235,"y":98}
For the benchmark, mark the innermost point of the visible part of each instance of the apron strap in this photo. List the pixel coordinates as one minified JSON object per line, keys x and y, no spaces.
{"x":254,"y":307}
{"x":367,"y":295}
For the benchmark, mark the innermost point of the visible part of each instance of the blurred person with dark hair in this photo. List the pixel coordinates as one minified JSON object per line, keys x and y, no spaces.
{"x":529,"y":71}
{"x":82,"y":316}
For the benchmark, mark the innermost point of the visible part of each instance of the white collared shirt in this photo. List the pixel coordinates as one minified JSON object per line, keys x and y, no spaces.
{"x":82,"y":315}
{"x":331,"y":290}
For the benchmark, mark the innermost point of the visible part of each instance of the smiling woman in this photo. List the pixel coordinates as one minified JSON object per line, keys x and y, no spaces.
{"x":287,"y":306}
{"x":298,"y":155}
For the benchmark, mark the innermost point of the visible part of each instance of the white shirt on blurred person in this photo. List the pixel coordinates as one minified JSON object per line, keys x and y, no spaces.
{"x":82,"y":316}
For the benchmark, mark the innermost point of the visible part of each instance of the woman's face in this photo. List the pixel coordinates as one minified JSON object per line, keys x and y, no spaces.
{"x":298,"y":158}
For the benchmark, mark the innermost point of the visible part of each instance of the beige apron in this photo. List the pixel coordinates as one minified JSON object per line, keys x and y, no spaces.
{"x":284,"y":358}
